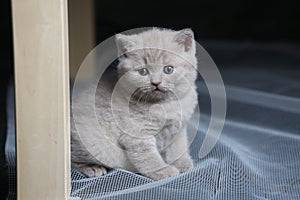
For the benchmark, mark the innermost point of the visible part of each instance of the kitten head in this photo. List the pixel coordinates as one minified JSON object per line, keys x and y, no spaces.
{"x":158,"y":63}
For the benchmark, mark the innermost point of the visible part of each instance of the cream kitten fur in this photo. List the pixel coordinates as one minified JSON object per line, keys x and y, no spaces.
{"x":144,"y":112}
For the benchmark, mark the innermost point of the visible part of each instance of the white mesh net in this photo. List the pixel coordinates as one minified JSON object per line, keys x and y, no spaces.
{"x":257,"y":156}
{"x":250,"y":161}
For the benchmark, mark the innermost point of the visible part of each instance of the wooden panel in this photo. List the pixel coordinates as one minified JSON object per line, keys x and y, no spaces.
{"x":42,"y":98}
{"x":82,"y":35}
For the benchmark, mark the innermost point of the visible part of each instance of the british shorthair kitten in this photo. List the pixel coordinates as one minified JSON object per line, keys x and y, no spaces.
{"x":143,"y":114}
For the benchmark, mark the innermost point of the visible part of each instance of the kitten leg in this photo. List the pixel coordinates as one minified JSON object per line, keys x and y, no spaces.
{"x":91,"y":170}
{"x":144,"y":156}
{"x":177,"y":153}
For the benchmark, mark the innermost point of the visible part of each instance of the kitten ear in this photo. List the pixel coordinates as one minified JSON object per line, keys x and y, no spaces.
{"x":125,"y":43}
{"x":185,"y":38}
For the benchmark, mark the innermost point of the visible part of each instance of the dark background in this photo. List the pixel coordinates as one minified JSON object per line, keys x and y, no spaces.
{"x":257,"y":21}
{"x":235,"y":33}
{"x":6,"y":68}
{"x":210,"y":19}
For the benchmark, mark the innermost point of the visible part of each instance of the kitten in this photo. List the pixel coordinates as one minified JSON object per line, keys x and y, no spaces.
{"x":144,"y":112}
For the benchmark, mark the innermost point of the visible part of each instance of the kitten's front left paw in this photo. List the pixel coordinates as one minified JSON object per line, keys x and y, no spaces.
{"x":163,"y":173}
{"x":184,"y":163}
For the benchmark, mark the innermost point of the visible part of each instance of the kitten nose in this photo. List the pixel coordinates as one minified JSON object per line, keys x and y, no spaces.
{"x":155,"y":83}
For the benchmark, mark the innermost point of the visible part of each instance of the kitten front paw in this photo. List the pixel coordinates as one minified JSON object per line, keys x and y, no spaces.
{"x":163,"y":173}
{"x":91,"y":170}
{"x":184,"y":163}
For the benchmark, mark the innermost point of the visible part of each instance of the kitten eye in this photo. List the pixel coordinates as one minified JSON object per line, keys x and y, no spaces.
{"x":143,"y":71}
{"x":168,"y":69}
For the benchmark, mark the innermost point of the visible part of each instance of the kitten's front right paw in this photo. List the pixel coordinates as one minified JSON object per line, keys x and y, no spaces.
{"x":91,"y":170}
{"x":163,"y":173}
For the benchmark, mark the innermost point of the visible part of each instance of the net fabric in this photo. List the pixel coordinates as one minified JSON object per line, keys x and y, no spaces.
{"x":10,"y":150}
{"x":257,"y":156}
{"x":249,"y":161}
